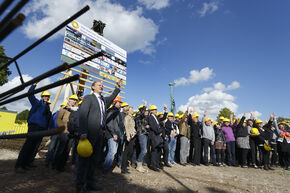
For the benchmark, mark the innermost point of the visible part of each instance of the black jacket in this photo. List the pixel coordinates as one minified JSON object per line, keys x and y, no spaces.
{"x":241,"y":131}
{"x":115,"y":124}
{"x":155,"y":131}
{"x":195,"y":128}
{"x":219,"y":135}
{"x":169,"y":126}
{"x":267,"y":134}
{"x":141,"y":121}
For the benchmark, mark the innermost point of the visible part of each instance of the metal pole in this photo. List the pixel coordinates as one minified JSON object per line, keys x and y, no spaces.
{"x":52,"y":72}
{"x":76,"y":15}
{"x":56,"y":84}
{"x":8,"y":17}
{"x":4,"y":5}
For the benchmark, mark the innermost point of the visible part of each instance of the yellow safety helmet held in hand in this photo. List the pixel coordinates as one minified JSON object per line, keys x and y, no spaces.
{"x":259,"y":121}
{"x":254,"y":131}
{"x":45,"y":93}
{"x":124,"y":104}
{"x":153,"y":107}
{"x":267,"y":147}
{"x":75,"y":97}
{"x":84,"y":148}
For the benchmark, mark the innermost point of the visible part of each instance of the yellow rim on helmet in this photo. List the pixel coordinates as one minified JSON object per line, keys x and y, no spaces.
{"x":45,"y":93}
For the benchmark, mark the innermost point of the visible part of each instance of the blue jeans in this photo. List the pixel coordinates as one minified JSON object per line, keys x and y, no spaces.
{"x":112,"y":150}
{"x":172,"y":148}
{"x":52,"y":148}
{"x":143,"y":147}
{"x":120,"y":150}
{"x":231,"y":152}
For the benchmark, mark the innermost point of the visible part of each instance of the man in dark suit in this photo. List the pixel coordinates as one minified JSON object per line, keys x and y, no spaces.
{"x":92,"y":122}
{"x":156,"y":139}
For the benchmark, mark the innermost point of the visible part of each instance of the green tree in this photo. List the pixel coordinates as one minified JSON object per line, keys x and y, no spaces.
{"x":180,"y":112}
{"x":22,"y":116}
{"x":4,"y":108}
{"x":225,"y":112}
{"x":4,"y":73}
{"x":280,"y":119}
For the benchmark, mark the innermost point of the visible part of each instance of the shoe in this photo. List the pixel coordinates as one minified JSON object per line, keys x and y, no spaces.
{"x":266,"y":167}
{"x":155,"y":169}
{"x":183,"y":164}
{"x":173,"y":163}
{"x":207,"y":164}
{"x":244,"y":166}
{"x":94,"y":187}
{"x":167,"y":165}
{"x":160,"y":167}
{"x":140,"y":167}
{"x":193,"y":164}
{"x":270,"y":168}
{"x":31,"y":166}
{"x":20,"y":170}
{"x":125,"y":171}
{"x":217,"y":165}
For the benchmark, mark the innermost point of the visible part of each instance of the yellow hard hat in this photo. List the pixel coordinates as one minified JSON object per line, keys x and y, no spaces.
{"x":195,"y":115}
{"x":63,"y":104}
{"x":207,"y":119}
{"x":170,"y":114}
{"x":134,"y":114}
{"x":215,"y":123}
{"x":45,"y":93}
{"x":141,"y":106}
{"x":226,"y":120}
{"x":267,"y":147}
{"x":75,"y":97}
{"x":234,"y":120}
{"x":49,"y":101}
{"x":259,"y":121}
{"x":124,"y":104}
{"x":158,"y":114}
{"x":153,"y":107}
{"x":147,"y":109}
{"x":176,"y":115}
{"x":80,"y":102}
{"x":84,"y":148}
{"x":221,"y":118}
{"x":180,"y":116}
{"x":254,"y":131}
{"x":91,"y":92}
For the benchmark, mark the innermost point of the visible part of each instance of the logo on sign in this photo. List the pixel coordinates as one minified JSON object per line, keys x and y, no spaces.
{"x":75,"y":24}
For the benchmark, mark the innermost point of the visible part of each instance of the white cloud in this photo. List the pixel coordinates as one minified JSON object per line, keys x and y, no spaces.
{"x":127,"y":28}
{"x":209,"y":8}
{"x":154,"y":4}
{"x":24,"y":104}
{"x":220,"y":86}
{"x":195,"y":77}
{"x":214,"y":99}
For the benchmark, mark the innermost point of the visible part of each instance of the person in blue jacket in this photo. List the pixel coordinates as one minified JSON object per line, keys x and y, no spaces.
{"x":38,"y":120}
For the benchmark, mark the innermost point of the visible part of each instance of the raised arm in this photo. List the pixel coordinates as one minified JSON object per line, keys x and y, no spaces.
{"x":32,"y":99}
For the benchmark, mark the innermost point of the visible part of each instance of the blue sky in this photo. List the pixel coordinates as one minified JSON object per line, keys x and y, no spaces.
{"x":243,"y":40}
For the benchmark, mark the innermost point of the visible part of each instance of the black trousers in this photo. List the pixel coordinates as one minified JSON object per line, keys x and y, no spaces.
{"x":253,"y":151}
{"x":197,"y":150}
{"x":220,"y":155}
{"x":244,"y":155}
{"x":86,"y":166}
{"x":206,"y":144}
{"x":165,"y":151}
{"x":264,"y":156}
{"x":128,"y":152}
{"x":191,"y":148}
{"x":62,"y":151}
{"x":30,"y":146}
{"x":286,"y":158}
{"x":274,"y":157}
{"x":155,"y":157}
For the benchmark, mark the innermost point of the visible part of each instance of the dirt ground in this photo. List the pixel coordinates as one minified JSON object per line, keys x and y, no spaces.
{"x":176,"y":179}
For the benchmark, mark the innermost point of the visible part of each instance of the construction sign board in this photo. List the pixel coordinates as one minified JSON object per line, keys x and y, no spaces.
{"x":81,"y":42}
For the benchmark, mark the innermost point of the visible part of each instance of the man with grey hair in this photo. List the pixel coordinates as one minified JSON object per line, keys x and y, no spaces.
{"x":92,"y":120}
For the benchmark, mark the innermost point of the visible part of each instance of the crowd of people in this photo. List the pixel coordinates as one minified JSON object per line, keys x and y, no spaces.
{"x":120,"y":137}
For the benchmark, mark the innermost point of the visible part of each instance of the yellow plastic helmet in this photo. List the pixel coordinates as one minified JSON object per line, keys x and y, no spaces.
{"x":207,"y":119}
{"x":91,"y":92}
{"x":254,"y":131}
{"x":45,"y":93}
{"x":180,"y":116}
{"x":63,"y":104}
{"x":124,"y":104}
{"x":134,"y":114}
{"x":147,"y":109}
{"x":80,"y":102}
{"x":141,"y":106}
{"x":170,"y":114}
{"x":195,"y":115}
{"x":49,"y":102}
{"x":84,"y":148}
{"x":176,"y":115}
{"x":215,"y":123}
{"x":153,"y":107}
{"x":234,"y":120}
{"x":259,"y":121}
{"x":267,"y":147}
{"x":75,"y":97}
{"x":158,"y":114}
{"x":221,"y":118}
{"x":226,"y":120}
